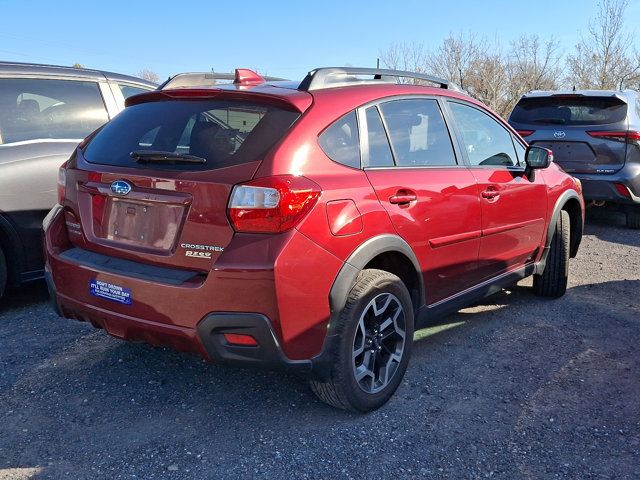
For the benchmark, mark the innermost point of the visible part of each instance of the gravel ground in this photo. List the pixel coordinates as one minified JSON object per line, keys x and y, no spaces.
{"x":517,"y":387}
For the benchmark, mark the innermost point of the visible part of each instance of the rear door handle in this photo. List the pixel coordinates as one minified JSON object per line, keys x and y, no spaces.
{"x":403,"y":197}
{"x":490,"y":194}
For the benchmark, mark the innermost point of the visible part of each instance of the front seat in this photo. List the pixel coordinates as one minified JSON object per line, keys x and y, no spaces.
{"x":204,"y":142}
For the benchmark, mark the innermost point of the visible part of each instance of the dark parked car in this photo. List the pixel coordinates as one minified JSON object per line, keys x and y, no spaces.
{"x":594,"y":136}
{"x":44,"y":112}
{"x":308,"y":225}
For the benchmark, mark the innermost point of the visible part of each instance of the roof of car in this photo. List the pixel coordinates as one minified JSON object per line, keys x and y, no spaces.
{"x":348,"y":86}
{"x":33,"y":69}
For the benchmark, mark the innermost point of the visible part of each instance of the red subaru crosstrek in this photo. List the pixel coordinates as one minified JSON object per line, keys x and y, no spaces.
{"x":310,"y":225}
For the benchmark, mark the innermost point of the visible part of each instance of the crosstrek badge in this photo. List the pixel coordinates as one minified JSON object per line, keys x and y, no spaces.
{"x":110,"y":291}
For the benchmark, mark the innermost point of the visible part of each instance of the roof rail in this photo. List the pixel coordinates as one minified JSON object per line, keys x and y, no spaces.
{"x":205,"y":79}
{"x":344,"y":76}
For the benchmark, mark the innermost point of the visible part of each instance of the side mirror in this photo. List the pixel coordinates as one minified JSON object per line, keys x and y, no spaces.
{"x":538,"y":157}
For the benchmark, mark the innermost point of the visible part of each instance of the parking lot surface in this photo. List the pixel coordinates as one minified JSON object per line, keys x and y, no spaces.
{"x":517,"y":387}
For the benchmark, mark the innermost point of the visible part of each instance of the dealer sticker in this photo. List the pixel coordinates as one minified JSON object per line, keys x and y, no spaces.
{"x":110,"y":291}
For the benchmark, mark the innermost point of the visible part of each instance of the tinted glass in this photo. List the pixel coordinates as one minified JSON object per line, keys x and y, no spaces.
{"x":224,"y":133}
{"x":520,"y":151}
{"x":32,"y":109}
{"x":485,"y":140}
{"x":128,"y":90}
{"x":341,"y":141}
{"x":569,"y":111}
{"x":379,"y":149}
{"x":418,"y":133}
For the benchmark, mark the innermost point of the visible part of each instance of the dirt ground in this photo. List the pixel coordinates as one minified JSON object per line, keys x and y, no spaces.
{"x":517,"y":387}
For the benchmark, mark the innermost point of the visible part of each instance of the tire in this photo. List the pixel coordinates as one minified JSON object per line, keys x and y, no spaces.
{"x":633,"y":220}
{"x":3,"y":273}
{"x":553,"y":281}
{"x":366,"y":336}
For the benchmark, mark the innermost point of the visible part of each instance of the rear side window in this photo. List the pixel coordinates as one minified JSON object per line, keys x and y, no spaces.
{"x":419,"y":136}
{"x":569,"y":110}
{"x":34,"y":109}
{"x":341,"y":141}
{"x":223,"y":133}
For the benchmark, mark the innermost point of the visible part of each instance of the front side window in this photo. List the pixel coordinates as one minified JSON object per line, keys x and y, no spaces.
{"x":33,"y":109}
{"x":485,"y":140}
{"x":418,"y":133}
{"x":341,"y":141}
{"x":520,"y":150}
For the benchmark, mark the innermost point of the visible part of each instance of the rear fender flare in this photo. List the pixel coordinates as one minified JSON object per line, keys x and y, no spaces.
{"x":360,"y":257}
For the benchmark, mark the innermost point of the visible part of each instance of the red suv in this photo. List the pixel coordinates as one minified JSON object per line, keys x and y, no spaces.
{"x":312,"y":226}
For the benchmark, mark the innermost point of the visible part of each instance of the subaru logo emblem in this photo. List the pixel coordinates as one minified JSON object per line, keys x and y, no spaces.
{"x":120,"y":187}
{"x":559,"y":134}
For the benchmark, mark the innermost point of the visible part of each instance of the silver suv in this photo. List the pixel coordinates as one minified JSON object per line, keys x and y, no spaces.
{"x":594,"y":136}
{"x":45,"y":111}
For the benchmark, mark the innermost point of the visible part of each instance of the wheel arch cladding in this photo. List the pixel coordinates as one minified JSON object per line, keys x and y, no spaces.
{"x":12,"y":248}
{"x":573,"y":208}
{"x":569,"y":201}
{"x":384,"y":252}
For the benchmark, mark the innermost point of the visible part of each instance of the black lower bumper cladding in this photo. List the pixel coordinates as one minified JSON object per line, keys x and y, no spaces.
{"x":267,"y":354}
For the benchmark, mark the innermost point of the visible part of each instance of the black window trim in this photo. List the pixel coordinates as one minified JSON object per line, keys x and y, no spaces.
{"x":514,"y":168}
{"x":364,"y":134}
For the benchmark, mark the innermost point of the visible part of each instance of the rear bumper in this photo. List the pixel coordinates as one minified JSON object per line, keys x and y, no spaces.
{"x":602,"y":187}
{"x":207,"y":339}
{"x":255,"y":285}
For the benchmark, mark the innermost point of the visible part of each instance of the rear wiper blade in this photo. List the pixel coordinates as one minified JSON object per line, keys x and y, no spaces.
{"x":153,"y":156}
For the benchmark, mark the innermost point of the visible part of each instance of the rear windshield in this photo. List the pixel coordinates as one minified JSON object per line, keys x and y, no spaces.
{"x":569,"y":111}
{"x":224,"y":133}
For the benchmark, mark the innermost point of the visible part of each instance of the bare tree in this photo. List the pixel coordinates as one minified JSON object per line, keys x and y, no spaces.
{"x":149,"y":75}
{"x":602,"y":59}
{"x":411,"y":57}
{"x":466,"y":60}
{"x":533,"y":64}
{"x":457,"y":58}
{"x":489,"y":82}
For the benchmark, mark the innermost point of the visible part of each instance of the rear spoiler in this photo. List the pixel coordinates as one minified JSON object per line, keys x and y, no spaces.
{"x":571,"y":94}
{"x":286,"y":98}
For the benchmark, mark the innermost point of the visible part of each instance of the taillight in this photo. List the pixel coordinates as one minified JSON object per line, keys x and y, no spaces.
{"x":62,"y":182}
{"x":271,"y":204}
{"x":622,"y":190}
{"x":629,"y":136}
{"x":240,"y":339}
{"x":525,"y":133}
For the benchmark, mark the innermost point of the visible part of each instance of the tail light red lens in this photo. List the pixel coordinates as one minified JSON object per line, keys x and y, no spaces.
{"x":525,"y":133}
{"x":239,"y":339}
{"x":272,"y":204}
{"x":62,"y":182}
{"x":629,"y":136}
{"x":622,"y":190}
